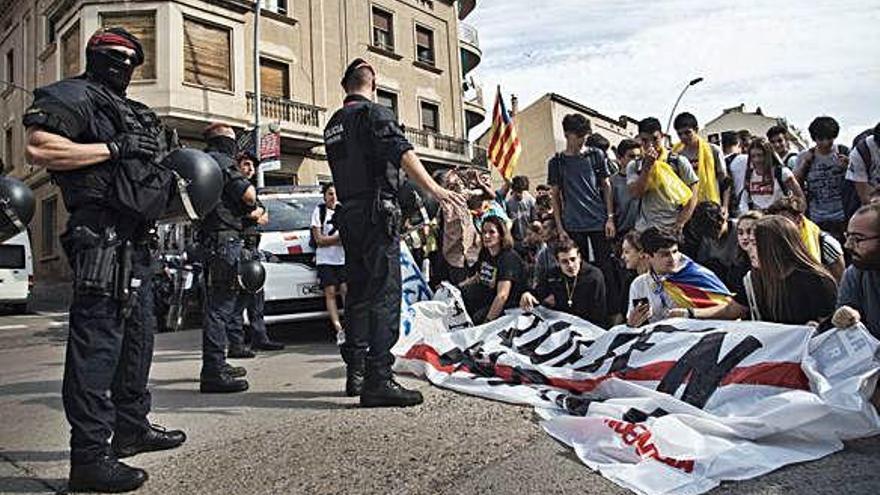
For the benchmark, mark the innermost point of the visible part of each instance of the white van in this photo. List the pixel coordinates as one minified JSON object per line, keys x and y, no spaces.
{"x":16,"y":272}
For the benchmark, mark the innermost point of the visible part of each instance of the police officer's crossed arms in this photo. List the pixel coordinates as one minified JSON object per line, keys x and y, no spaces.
{"x":366,"y":150}
{"x":83,"y":130}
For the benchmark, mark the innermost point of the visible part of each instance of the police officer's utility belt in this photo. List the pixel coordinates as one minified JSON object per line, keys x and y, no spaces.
{"x":102,"y":264}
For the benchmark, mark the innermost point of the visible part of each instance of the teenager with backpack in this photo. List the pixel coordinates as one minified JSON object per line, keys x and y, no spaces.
{"x":329,"y":255}
{"x":864,"y":164}
{"x":821,"y":172}
{"x":761,"y":179}
{"x":778,"y":137}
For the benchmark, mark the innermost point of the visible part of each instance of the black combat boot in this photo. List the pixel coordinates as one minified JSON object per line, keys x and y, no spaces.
{"x":269,"y":345}
{"x":155,"y":438}
{"x":388,"y":393}
{"x":240,"y":352}
{"x":222,"y":384}
{"x":354,"y":380}
{"x":234,"y":371}
{"x":106,"y":475}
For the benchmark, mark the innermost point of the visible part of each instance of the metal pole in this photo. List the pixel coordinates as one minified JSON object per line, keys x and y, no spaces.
{"x":680,"y":96}
{"x":261,"y":181}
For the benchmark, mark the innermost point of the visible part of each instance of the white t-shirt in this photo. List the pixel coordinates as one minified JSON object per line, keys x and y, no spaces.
{"x":645,"y":286}
{"x":859,"y":171}
{"x":763,"y":191}
{"x":327,"y":255}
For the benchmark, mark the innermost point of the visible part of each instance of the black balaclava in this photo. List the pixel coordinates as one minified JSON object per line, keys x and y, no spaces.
{"x":109,"y":66}
{"x":223,"y":144}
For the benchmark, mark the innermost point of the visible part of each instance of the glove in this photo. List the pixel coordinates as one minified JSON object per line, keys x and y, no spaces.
{"x":133,"y":145}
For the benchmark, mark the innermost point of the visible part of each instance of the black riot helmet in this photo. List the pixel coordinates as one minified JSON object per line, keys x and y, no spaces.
{"x":199,"y":184}
{"x":251,"y":275}
{"x":17,"y":205}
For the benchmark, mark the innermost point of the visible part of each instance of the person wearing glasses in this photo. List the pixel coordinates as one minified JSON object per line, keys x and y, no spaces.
{"x":859,"y":296}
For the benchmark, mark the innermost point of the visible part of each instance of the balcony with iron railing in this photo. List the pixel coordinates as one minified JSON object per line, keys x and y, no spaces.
{"x":439,"y":147}
{"x":296,"y":118}
{"x":469,"y":40}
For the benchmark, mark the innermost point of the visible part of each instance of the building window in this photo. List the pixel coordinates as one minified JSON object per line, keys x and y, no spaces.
{"x":10,"y":66}
{"x":277,"y":6}
{"x":47,"y":229}
{"x":8,"y":143}
{"x":206,"y":55}
{"x":430,"y":117}
{"x":383,"y":29}
{"x":70,"y":52}
{"x":50,"y":30}
{"x":388,"y":100}
{"x":143,"y":26}
{"x":274,"y":78}
{"x":425,"y":45}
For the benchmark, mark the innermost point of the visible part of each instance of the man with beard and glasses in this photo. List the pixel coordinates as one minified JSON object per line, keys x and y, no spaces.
{"x":859,"y":296}
{"x":83,"y":130}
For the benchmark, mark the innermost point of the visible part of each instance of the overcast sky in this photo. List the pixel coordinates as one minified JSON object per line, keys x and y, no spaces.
{"x":794,"y":58}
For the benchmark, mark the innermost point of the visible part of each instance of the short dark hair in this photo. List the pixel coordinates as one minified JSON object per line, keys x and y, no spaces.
{"x":503,"y":231}
{"x":654,"y":239}
{"x":520,"y":183}
{"x":728,"y":139}
{"x":597,"y":140}
{"x":576,"y":123}
{"x":775,"y":131}
{"x":824,"y":128}
{"x":685,"y":120}
{"x":791,"y":205}
{"x":564,"y":247}
{"x":626,"y":145}
{"x":707,"y":219}
{"x":542,"y":187}
{"x":649,"y":125}
{"x":326,"y":187}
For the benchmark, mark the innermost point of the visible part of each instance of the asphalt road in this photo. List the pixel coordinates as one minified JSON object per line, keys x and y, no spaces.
{"x":295,"y":432}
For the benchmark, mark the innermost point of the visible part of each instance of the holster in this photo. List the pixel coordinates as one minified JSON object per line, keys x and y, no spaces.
{"x":221,"y":272}
{"x":101,"y":262}
{"x":387,"y":213}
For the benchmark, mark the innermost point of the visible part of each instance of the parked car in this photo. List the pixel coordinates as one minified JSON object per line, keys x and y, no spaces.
{"x":16,"y":272}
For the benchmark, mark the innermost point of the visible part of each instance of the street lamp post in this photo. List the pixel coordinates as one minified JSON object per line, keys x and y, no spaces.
{"x":261,"y":181}
{"x":690,"y":83}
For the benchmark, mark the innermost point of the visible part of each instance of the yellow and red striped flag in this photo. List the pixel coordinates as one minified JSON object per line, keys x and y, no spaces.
{"x":504,"y":146}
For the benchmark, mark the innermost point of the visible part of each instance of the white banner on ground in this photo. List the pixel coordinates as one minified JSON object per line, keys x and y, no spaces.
{"x":674,"y":407}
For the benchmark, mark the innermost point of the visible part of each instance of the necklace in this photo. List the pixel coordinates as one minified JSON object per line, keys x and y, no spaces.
{"x":569,"y":291}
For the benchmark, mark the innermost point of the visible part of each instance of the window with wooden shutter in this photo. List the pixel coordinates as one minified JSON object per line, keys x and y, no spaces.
{"x":143,"y":26}
{"x":206,"y":54}
{"x":425,"y":45}
{"x":388,"y":100}
{"x":274,"y":78}
{"x":430,"y":117}
{"x":70,"y":52}
{"x":383,"y":29}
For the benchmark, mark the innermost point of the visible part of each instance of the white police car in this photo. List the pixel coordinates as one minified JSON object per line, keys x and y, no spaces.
{"x":292,"y":290}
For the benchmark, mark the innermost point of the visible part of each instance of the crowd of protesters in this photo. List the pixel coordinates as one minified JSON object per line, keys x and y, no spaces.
{"x":643,"y":231}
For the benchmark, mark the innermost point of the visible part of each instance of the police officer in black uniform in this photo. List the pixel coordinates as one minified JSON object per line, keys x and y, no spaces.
{"x":221,"y":236}
{"x":84,"y":130}
{"x":366,"y":150}
{"x":255,"y":303}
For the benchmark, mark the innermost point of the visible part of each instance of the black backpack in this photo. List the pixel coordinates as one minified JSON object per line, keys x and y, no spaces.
{"x":322,"y":213}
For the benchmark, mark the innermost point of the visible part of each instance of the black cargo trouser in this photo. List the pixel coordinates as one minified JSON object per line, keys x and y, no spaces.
{"x":372,"y":309}
{"x":223,"y":305}
{"x":107,"y":365}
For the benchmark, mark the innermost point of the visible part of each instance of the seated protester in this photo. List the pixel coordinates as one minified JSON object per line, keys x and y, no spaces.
{"x":673,"y":281}
{"x":820,"y":244}
{"x":459,"y":238}
{"x":864,"y":164}
{"x":542,"y":190}
{"x":625,"y":204}
{"x":546,"y":258}
{"x":543,"y":207}
{"x":745,"y":237}
{"x":632,"y":263}
{"x":574,"y":287}
{"x":760,"y":179}
{"x":532,"y":245}
{"x":786,"y":284}
{"x":500,"y":277}
{"x":859,"y":296}
{"x":643,"y":178}
{"x":717,"y":241}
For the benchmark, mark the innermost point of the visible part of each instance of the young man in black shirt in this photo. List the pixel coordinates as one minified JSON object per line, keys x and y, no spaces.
{"x":573,"y":287}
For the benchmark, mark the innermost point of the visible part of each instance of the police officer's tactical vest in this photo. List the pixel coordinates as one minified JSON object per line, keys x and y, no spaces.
{"x":229,"y":212}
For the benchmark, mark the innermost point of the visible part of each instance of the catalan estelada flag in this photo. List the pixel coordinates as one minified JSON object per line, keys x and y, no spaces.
{"x":504,"y":145}
{"x":695,"y":286}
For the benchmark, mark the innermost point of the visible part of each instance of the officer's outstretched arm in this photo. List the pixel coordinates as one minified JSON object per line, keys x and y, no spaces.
{"x":413,"y":167}
{"x":58,"y":153}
